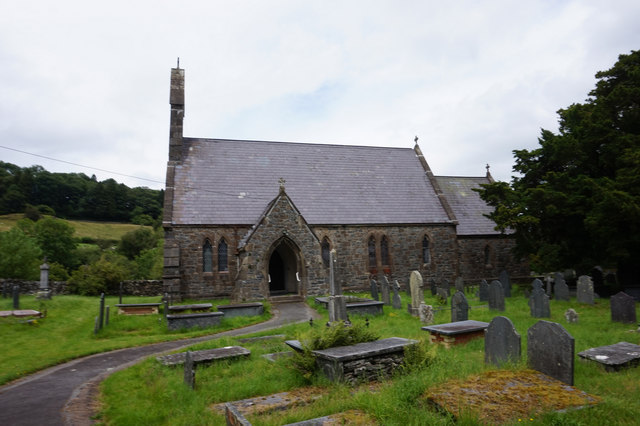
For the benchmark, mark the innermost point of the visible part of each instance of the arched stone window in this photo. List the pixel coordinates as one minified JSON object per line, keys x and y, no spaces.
{"x":384,"y":250}
{"x":487,"y":255}
{"x":426,"y":250}
{"x":207,"y":256}
{"x":326,"y":250}
{"x":223,"y":260}
{"x":373,"y":261}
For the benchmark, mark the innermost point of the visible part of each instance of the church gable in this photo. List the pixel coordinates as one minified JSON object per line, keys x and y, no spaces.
{"x":280,"y":254}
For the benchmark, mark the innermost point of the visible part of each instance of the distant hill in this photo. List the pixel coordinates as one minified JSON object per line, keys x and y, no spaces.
{"x":76,"y":196}
{"x":84,"y":229}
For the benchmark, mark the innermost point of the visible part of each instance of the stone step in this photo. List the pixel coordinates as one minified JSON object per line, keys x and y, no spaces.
{"x":288,"y":298}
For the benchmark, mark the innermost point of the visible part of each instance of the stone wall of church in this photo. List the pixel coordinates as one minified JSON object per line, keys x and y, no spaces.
{"x":184,"y":262}
{"x":405,"y":253}
{"x":474,"y":265}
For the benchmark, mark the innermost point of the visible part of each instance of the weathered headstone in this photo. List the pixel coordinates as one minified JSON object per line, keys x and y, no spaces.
{"x":539,"y":301}
{"x":548,"y":285}
{"x":483,"y":292}
{"x":426,"y":313}
{"x":584,"y":293}
{"x":501,"y":342}
{"x":417,"y":295}
{"x":459,"y":307}
{"x":459,"y":284}
{"x":597,"y":278}
{"x":623,"y":308}
{"x":396,"y":302}
{"x":433,"y":286}
{"x":506,"y":283}
{"x":374,"y":290}
{"x":384,"y":289}
{"x":16,"y":297}
{"x":446,"y":286}
{"x":550,"y":350}
{"x":44,"y":292}
{"x":101,"y":313}
{"x":560,"y":288}
{"x":571,"y":316}
{"x":189,"y":371}
{"x":496,"y":296}
{"x":337,"y":304}
{"x":443,"y":295}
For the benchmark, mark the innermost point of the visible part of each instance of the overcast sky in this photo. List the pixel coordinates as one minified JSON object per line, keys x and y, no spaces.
{"x":88,"y":82}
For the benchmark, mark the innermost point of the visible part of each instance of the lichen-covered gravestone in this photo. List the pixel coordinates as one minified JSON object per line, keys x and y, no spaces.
{"x":501,"y":342}
{"x":417,"y":295}
{"x":623,"y":308}
{"x":571,"y":316}
{"x":459,"y":307}
{"x":560,"y":287}
{"x":550,"y":350}
{"x":426,"y":313}
{"x":585,"y":290}
{"x":496,"y":296}
{"x":506,"y":283}
{"x":539,"y":301}
{"x":396,"y":302}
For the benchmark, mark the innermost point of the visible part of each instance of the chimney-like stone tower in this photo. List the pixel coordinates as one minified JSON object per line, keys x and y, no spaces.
{"x":171,"y":273}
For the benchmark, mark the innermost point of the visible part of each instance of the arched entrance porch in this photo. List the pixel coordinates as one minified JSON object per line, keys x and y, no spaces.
{"x":285,"y":268}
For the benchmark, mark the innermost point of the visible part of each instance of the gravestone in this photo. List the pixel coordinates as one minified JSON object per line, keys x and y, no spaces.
{"x":16,"y":297}
{"x":101,"y":313}
{"x":459,"y":284}
{"x":446,"y":286}
{"x":571,"y":316}
{"x":483,"y":292}
{"x":337,"y":303}
{"x":433,"y":286}
{"x":459,"y":307}
{"x":189,"y":371}
{"x":501,"y":342}
{"x":560,"y":288}
{"x":426,"y":313}
{"x":539,"y":301}
{"x":550,"y":350}
{"x":597,"y":278}
{"x":496,"y":296}
{"x":44,"y":292}
{"x":584,"y":293}
{"x":506,"y":283}
{"x":417,"y":296}
{"x":623,"y":308}
{"x":443,"y":295}
{"x":374,"y":290}
{"x":548,"y":285}
{"x":384,"y":289}
{"x":396,"y":302}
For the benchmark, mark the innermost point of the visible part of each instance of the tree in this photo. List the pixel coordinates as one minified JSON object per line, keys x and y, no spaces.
{"x":20,"y":256}
{"x":576,"y":200}
{"x":55,"y":238}
{"x":134,"y":242}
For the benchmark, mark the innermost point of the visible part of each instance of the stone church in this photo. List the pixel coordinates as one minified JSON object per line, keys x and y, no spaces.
{"x":254,"y":220}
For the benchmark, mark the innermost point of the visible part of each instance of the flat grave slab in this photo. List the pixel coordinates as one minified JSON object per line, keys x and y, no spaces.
{"x":614,"y":357}
{"x":137,"y":308}
{"x":456,"y":333}
{"x":20,"y":313}
{"x":205,"y":356}
{"x":196,"y":307}
{"x":504,"y":396}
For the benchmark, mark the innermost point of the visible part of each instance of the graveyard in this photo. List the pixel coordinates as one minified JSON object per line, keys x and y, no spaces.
{"x":279,"y":393}
{"x":469,"y":355}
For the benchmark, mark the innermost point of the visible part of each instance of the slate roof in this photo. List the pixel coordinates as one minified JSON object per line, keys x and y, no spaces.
{"x":230,"y":182}
{"x":467,"y":205}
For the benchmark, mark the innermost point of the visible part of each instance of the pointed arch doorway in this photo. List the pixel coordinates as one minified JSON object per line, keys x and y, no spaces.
{"x":284,"y":272}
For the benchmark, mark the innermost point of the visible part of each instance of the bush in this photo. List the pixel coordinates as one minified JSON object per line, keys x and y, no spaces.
{"x":337,"y":334}
{"x":134,"y":242}
{"x":102,"y":276}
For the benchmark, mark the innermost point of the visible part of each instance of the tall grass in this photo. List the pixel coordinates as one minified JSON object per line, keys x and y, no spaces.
{"x":149,"y":393}
{"x":67,"y":332}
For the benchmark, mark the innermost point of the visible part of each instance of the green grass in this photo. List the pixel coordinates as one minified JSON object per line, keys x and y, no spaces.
{"x":84,"y":229}
{"x":67,"y":332}
{"x":149,"y":393}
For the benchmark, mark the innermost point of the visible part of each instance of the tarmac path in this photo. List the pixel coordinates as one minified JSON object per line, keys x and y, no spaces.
{"x":66,"y":394}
